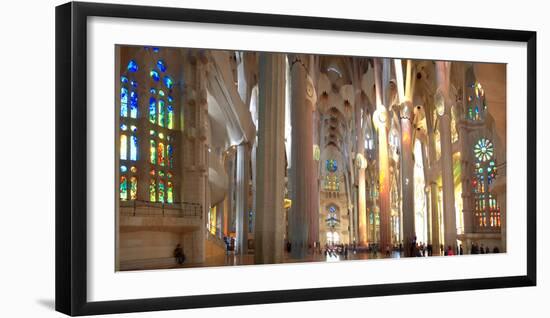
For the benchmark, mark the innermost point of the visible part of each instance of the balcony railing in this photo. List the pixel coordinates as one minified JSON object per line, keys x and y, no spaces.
{"x":147,"y":208}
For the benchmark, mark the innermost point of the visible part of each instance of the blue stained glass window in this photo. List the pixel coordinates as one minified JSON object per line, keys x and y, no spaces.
{"x":170,"y":119}
{"x":133,"y":148}
{"x":152,"y":110}
{"x":123,"y":168}
{"x":153,"y":91}
{"x":161,"y":113}
{"x":156,"y":49}
{"x":170,"y":99}
{"x":133,"y":104}
{"x":124,"y":79}
{"x":168,"y":82}
{"x":154,"y":75}
{"x":161,"y":66}
{"x":170,"y":156}
{"x":134,"y":83}
{"x":331,"y":165}
{"x":123,"y":102}
{"x":132,"y":66}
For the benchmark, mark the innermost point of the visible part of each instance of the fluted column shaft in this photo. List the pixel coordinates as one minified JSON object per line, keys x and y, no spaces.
{"x":381,"y":71}
{"x":302,"y":159}
{"x":242,"y":187}
{"x":270,"y":160}
{"x":449,"y":214}
{"x":407,"y":177}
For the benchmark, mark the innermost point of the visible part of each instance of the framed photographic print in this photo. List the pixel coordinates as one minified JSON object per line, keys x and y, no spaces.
{"x":209,"y":158}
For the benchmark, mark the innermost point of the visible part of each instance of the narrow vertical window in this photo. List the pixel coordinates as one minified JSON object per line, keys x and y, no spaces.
{"x":170,"y":150}
{"x":152,"y":110}
{"x":133,"y":148}
{"x":123,"y":147}
{"x":161,"y":191}
{"x":170,"y":192}
{"x":153,"y":152}
{"x":162,"y":114}
{"x":133,"y":104}
{"x":160,"y":154}
{"x":170,"y":120}
{"x":133,"y":188}
{"x":123,"y":188}
{"x":152,"y":191}
{"x":123,"y":102}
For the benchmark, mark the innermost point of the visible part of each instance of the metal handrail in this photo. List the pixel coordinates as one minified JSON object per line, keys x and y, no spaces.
{"x":174,"y":209}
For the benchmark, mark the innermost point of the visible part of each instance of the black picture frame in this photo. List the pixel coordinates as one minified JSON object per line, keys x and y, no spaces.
{"x":71,"y":157}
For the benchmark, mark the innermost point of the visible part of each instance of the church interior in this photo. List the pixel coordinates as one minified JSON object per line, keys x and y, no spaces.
{"x":240,"y":158}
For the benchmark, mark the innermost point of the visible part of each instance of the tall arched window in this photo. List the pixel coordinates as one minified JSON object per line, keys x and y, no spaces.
{"x":476,"y":105}
{"x":148,"y":103}
{"x":486,"y":208}
{"x":161,"y":116}
{"x":129,"y":143}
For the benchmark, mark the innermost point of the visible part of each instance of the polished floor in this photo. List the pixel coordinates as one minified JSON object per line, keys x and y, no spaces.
{"x":233,"y":259}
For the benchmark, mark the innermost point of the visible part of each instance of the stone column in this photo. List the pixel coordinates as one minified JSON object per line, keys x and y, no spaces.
{"x":381,"y":118}
{"x":314,"y":184}
{"x":407,"y":177}
{"x":443,"y":107}
{"x":361,"y":164}
{"x":230,"y":168}
{"x":194,"y":160}
{"x":242,"y":186}
{"x":270,"y":164}
{"x":430,"y":180}
{"x":219,"y":219}
{"x":502,"y":203}
{"x":301,"y":157}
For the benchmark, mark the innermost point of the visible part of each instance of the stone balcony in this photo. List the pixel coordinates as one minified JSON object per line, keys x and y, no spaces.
{"x":142,"y":215}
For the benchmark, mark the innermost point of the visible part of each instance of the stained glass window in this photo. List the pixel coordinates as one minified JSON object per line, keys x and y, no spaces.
{"x":161,"y":65}
{"x":152,"y":191}
{"x":477,"y":104}
{"x":483,"y":149}
{"x":161,"y":154}
{"x":123,"y":188}
{"x":331,"y":165}
{"x":133,"y":104}
{"x":133,"y":148}
{"x":170,"y":122}
{"x":162,"y":115}
{"x":133,"y":188}
{"x":170,"y":150}
{"x":486,"y":209}
{"x":154,"y":75}
{"x":152,"y":110}
{"x":170,"y":192}
{"x":168,"y":82}
{"x":132,"y":66}
{"x":161,"y":191}
{"x":332,"y":219}
{"x":123,"y":102}
{"x":331,"y":183}
{"x":123,"y":147}
{"x":153,"y":152}
{"x":123,"y":169}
